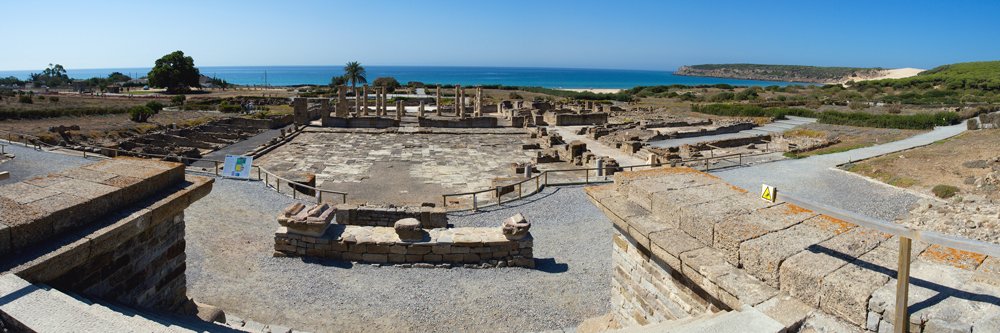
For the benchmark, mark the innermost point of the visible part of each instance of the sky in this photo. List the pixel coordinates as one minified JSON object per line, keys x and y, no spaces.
{"x":613,"y":34}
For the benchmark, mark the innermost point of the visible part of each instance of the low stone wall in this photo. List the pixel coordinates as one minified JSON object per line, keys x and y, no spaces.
{"x":572,"y":119}
{"x":360,"y":122}
{"x":644,"y":292}
{"x":375,"y":216}
{"x":272,"y":123}
{"x":130,"y":247}
{"x":471,"y":122}
{"x":469,"y":247}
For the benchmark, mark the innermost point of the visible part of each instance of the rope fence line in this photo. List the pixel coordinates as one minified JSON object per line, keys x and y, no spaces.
{"x":495,"y":194}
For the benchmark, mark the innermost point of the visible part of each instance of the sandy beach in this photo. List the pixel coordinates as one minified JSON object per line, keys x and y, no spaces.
{"x":595,"y":90}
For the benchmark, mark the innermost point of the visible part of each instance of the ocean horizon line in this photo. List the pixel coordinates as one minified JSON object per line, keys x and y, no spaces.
{"x":547,"y":77}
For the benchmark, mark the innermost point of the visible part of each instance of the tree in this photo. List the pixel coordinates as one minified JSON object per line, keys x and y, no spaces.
{"x":52,"y":76}
{"x":389,"y":83}
{"x":338,"y":81}
{"x":355,"y":73}
{"x":174,"y":72}
{"x":140,"y":113}
{"x":118,"y":77}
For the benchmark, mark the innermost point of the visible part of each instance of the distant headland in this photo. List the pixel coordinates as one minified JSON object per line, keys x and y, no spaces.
{"x":795,"y":73}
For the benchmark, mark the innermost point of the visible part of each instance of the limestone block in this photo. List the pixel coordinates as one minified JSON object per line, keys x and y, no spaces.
{"x":670,"y":244}
{"x":303,"y":220}
{"x":763,"y":256}
{"x":699,"y":220}
{"x":670,"y":202}
{"x":801,"y":273}
{"x":409,"y":229}
{"x":988,"y":272}
{"x":785,"y":309}
{"x":731,"y":233}
{"x":516,"y":227}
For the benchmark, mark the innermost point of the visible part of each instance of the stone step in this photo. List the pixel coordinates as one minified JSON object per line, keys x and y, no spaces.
{"x":747,"y":320}
{"x":43,"y":311}
{"x":123,"y":322}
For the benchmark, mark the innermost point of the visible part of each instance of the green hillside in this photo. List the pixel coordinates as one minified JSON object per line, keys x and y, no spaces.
{"x":791,"y":71}
{"x":983,"y":75}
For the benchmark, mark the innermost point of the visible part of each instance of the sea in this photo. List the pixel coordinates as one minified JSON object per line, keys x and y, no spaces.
{"x":556,"y":78}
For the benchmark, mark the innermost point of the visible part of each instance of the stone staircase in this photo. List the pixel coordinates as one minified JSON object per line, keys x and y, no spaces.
{"x":746,"y":320}
{"x":40,"y":308}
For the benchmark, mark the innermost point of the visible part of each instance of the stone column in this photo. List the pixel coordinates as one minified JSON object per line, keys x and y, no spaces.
{"x":500,"y":109}
{"x":379,"y":102}
{"x":357,"y":102}
{"x":457,"y":87}
{"x":364,"y":100}
{"x":479,"y":101}
{"x":300,"y":111}
{"x":342,"y":102}
{"x":420,"y":109}
{"x":324,"y":111}
{"x":461,"y":102}
{"x":399,"y":110}
{"x":437,"y":101}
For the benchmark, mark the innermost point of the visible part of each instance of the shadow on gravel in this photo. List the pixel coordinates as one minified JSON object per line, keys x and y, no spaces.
{"x":549,"y":265}
{"x":327,"y":262}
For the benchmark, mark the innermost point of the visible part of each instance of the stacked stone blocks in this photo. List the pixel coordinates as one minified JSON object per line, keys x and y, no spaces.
{"x":732,"y":250}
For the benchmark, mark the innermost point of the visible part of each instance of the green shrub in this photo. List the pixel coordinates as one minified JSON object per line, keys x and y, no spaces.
{"x":54,"y":99}
{"x":25,"y":99}
{"x":944,"y":191}
{"x":859,"y":119}
{"x":140,"y":114}
{"x":155,"y":106}
{"x":41,"y":97}
{"x":177,"y":100}
{"x":229,"y":108}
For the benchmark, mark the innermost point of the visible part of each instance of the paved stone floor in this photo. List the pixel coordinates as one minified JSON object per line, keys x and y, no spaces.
{"x":400,"y":167}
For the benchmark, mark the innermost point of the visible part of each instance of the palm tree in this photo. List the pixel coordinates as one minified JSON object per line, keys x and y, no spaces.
{"x":355,"y":73}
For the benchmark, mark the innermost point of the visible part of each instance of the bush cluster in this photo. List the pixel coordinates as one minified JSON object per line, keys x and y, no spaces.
{"x":859,"y":119}
{"x":140,"y":114}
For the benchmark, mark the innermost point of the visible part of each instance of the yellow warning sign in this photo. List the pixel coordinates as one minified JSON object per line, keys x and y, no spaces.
{"x":768,"y":193}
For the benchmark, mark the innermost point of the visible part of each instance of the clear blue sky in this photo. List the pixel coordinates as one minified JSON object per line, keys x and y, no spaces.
{"x":656,"y":34}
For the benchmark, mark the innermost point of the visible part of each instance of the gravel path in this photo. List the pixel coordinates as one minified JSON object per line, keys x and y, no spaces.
{"x":816,"y":179}
{"x":230,"y":240}
{"x":30,"y":163}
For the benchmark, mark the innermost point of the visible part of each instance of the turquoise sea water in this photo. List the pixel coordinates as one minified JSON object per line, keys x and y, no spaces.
{"x":510,"y":76}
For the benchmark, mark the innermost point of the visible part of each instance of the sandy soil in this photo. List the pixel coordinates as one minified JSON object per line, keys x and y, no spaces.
{"x":850,"y":137}
{"x":940,"y":163}
{"x":896,"y":73}
{"x":595,"y":90}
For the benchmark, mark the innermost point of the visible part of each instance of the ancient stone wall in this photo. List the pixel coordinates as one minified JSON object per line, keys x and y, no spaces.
{"x":572,"y":119}
{"x":735,"y":250}
{"x":472,"y":247}
{"x":122,"y":223}
{"x":375,"y":216}
{"x":468,"y":122}
{"x":645,"y":292}
{"x":360,"y":122}
{"x":146,"y":270}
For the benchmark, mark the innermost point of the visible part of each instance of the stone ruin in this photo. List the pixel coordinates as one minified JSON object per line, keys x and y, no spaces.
{"x":408,"y":242}
{"x":107,"y":232}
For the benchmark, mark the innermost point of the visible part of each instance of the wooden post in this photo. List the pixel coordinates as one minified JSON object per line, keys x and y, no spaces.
{"x":444,"y":201}
{"x":902,"y":322}
{"x":475,"y":207}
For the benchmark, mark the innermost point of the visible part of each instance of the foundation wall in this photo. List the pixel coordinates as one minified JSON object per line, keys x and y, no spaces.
{"x":570,"y":119}
{"x":471,"y":247}
{"x":472,"y":122}
{"x":429,"y":217}
{"x":645,"y":292}
{"x":360,"y":122}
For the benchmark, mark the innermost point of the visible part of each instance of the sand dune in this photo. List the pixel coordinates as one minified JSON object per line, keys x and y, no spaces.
{"x":595,"y":90}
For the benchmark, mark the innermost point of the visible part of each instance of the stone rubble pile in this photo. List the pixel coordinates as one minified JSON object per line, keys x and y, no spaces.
{"x":972,"y":216}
